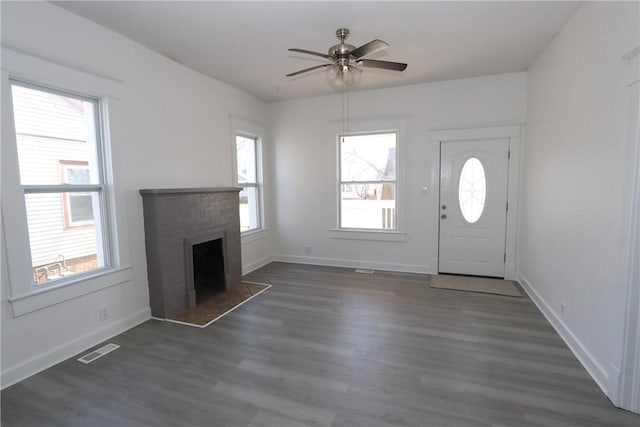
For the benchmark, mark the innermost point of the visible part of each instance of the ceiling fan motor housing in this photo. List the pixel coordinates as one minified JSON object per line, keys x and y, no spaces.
{"x":343,"y":50}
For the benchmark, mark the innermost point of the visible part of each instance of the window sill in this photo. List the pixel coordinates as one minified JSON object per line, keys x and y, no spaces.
{"x":253,"y":235}
{"x":68,"y":290}
{"x":375,"y":235}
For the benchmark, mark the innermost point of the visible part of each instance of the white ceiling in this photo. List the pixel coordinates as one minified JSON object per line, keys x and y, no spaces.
{"x":245,"y":43}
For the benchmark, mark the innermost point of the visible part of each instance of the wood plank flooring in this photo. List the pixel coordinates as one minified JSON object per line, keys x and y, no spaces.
{"x":330,"y":347}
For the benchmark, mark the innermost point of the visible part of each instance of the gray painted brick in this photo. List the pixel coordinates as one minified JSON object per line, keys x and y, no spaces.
{"x":168,"y":218}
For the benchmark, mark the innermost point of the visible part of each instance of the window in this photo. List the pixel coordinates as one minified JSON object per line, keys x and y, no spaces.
{"x":248,"y":178}
{"x":248,"y":143}
{"x":61,"y":179}
{"x":472,"y":190}
{"x":367,"y":181}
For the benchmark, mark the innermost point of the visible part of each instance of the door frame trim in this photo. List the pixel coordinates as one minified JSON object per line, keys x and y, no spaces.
{"x":513,"y":134}
{"x":628,"y":390}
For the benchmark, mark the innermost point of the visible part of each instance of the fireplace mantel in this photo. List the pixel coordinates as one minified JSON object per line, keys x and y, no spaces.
{"x":171,"y":217}
{"x":162,"y":191}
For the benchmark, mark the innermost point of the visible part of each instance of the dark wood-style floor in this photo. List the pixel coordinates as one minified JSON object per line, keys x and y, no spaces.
{"x":330,"y":347}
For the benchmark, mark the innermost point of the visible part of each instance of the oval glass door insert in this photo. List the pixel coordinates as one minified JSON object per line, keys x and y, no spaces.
{"x":472,"y":190}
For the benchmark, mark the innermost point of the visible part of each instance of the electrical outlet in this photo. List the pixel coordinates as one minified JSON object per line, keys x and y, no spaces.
{"x":104,"y":313}
{"x":307,"y":250}
{"x":562,"y":307}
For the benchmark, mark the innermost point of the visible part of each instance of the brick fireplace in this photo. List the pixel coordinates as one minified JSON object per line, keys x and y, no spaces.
{"x":178,"y":223}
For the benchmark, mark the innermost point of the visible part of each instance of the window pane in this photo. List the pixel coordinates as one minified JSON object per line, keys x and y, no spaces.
{"x":368,"y":157}
{"x":472,"y":190}
{"x":51,"y":127}
{"x":246,"y":158}
{"x":368,"y":206}
{"x":77,"y":176}
{"x":249,"y":209}
{"x":80,"y":207}
{"x":56,"y":250}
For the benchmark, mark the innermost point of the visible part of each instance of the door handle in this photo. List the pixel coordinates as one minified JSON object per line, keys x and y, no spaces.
{"x":443,"y":216}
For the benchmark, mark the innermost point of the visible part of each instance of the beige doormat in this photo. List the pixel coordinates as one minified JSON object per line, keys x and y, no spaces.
{"x":210,"y":310}
{"x":475,"y":284}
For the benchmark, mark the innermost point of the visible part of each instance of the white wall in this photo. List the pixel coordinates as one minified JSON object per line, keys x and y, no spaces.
{"x":170,"y":129}
{"x":576,"y":183}
{"x":304,"y":156}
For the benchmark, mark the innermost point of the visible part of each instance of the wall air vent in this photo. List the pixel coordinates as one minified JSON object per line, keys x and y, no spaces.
{"x":98,"y":353}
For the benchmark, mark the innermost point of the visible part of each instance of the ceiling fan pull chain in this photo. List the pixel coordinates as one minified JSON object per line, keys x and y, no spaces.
{"x":343,"y":116}
{"x":348,"y":108}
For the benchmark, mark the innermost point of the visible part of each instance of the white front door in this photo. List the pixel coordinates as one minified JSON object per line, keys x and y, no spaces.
{"x":473,"y":207}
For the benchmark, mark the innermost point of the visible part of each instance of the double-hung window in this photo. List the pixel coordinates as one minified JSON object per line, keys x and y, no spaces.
{"x":61,"y":176}
{"x":367,"y":181}
{"x":248,"y":178}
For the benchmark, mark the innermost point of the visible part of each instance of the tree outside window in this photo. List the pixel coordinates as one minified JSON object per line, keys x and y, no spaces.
{"x":368,"y":181}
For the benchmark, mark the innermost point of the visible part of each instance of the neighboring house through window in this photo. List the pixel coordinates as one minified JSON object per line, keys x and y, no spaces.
{"x":62,"y":180}
{"x":77,"y":207}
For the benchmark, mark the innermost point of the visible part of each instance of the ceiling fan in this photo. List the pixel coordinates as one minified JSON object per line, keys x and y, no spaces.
{"x":345,"y":59}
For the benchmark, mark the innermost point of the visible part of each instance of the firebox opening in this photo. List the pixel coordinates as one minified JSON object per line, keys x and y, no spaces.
{"x":208,"y":269}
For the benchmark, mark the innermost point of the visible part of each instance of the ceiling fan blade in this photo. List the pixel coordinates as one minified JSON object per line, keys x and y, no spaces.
{"x":371,"y":47}
{"x":386,"y":65}
{"x":324,"y":55}
{"x":308,"y":69}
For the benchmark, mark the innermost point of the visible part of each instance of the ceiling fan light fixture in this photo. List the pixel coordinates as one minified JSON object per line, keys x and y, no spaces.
{"x":344,"y":76}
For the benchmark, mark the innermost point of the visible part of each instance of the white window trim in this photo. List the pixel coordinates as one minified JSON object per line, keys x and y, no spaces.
{"x":250,"y":129}
{"x":366,"y":234}
{"x":370,"y":125}
{"x":24,"y":296}
{"x":51,"y":295}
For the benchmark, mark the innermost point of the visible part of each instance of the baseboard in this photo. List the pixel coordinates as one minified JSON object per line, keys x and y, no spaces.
{"x":69,"y":349}
{"x":509,"y":271}
{"x":248,"y":268}
{"x":597,"y":372}
{"x":351,"y":263}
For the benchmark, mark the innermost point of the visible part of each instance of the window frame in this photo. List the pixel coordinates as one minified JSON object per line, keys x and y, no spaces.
{"x":374,"y":125}
{"x":251,"y":184}
{"x":342,"y":182}
{"x":103,"y":245}
{"x":24,"y":295}
{"x":252,"y":130}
